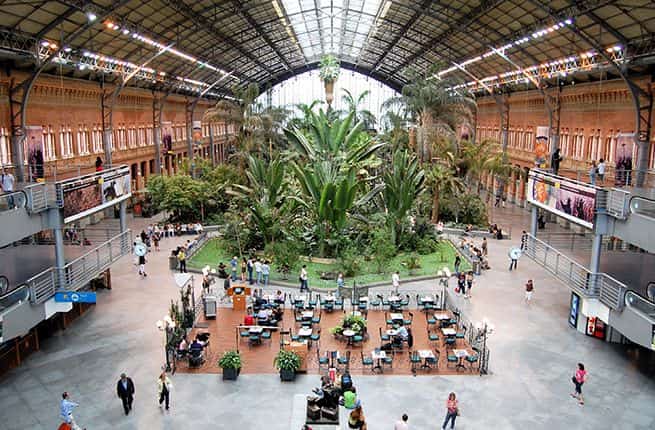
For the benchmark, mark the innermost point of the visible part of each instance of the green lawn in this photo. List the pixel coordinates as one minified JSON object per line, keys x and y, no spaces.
{"x":211,"y":254}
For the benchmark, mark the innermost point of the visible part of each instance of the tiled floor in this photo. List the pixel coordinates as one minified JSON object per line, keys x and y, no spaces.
{"x":533,"y":354}
{"x":259,"y":358}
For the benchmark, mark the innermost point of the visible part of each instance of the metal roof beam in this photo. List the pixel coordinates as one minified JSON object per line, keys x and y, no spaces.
{"x":463,"y":22}
{"x":261,"y":32}
{"x":399,"y":34}
{"x":186,"y":10}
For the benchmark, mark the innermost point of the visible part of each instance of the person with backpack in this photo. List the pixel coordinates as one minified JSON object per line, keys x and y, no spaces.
{"x":350,"y":400}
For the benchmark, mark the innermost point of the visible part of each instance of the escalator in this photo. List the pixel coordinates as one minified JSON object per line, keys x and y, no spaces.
{"x":637,"y":227}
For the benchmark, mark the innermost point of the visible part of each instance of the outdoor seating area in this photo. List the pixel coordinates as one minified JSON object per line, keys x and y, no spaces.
{"x":394,"y":334}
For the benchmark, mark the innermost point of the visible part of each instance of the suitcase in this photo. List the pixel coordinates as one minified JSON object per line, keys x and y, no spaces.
{"x":65,"y":426}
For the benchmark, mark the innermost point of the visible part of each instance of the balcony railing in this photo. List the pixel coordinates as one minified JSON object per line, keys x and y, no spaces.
{"x":80,"y":271}
{"x":14,"y":296}
{"x":10,"y":201}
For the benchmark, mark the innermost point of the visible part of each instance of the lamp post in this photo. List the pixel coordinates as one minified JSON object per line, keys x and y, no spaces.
{"x":166,"y":325}
{"x":485,"y":328}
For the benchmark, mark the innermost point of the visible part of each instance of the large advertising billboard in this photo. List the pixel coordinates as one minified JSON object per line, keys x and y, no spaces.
{"x":541,"y":146}
{"x":569,"y":199}
{"x":88,"y":194}
{"x":197,"y":132}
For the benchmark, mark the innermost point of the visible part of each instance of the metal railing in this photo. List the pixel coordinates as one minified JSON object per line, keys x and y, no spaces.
{"x":646,"y":307}
{"x":612,"y":291}
{"x":573,"y":274}
{"x":40,"y":196}
{"x":80,"y":271}
{"x":14,"y":296}
{"x":13,"y":200}
{"x":642,"y":206}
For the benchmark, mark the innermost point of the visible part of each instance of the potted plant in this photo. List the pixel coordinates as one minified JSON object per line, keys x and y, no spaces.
{"x":287,"y":362}
{"x":231,"y":363}
{"x":329,"y":72}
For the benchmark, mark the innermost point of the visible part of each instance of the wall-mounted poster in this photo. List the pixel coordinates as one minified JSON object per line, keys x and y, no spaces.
{"x":197,"y":132}
{"x":625,"y":147}
{"x":573,"y":310}
{"x":34,"y":152}
{"x":569,"y":199}
{"x":541,"y":146}
{"x":167,"y":137}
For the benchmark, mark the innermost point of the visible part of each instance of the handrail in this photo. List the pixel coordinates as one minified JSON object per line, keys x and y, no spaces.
{"x":10,"y":298}
{"x":80,"y":271}
{"x":640,"y":304}
{"x":13,"y":200}
{"x":642,"y":206}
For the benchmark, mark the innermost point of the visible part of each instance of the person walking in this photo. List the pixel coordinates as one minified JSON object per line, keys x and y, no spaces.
{"x":593,"y":170}
{"x":458,"y":262}
{"x":244,"y":267}
{"x":304,"y":278}
{"x":164,"y":386}
{"x":258,"y":271}
{"x":234,"y":262}
{"x":266,"y":272}
{"x":340,"y":281}
{"x":529,"y":288}
{"x":251,"y":267}
{"x":461,"y":284}
{"x":555,"y":160}
{"x":142,"y":266}
{"x":401,"y":424}
{"x":513,"y":262}
{"x":600,"y":171}
{"x":524,"y":240}
{"x":66,"y":411}
{"x":452,"y":411}
{"x":469,"y":284}
{"x":181,"y":258}
{"x":395,"y":281}
{"x":578,"y":379}
{"x":7,"y":184}
{"x":125,"y":392}
{"x":484,"y":246}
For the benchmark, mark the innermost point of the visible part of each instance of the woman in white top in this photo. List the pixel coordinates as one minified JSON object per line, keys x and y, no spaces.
{"x":601,"y":171}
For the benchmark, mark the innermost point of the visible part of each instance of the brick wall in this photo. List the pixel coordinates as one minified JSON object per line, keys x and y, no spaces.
{"x":69,"y":110}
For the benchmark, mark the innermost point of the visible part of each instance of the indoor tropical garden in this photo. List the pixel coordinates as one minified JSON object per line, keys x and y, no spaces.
{"x":337,"y":188}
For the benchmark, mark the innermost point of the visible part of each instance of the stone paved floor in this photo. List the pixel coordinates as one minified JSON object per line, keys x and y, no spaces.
{"x":533,"y":355}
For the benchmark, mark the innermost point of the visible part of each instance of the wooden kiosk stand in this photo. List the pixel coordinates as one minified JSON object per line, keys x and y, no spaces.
{"x":239,"y":294}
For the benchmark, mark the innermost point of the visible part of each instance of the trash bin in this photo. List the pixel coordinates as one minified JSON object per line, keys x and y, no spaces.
{"x":210,"y":306}
{"x":476,"y":267}
{"x":172,"y":262}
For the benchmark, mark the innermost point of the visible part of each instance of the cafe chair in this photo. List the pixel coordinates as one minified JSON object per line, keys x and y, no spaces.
{"x":430,"y":319}
{"x":367,"y":361}
{"x":452,"y":359}
{"x":338,"y":302}
{"x":254,"y":339}
{"x":315,"y":337}
{"x":461,"y":334}
{"x":415,"y":360}
{"x":244,"y":334}
{"x":433,"y":362}
{"x":317,"y":320}
{"x":409,"y":321}
{"x":329,"y":306}
{"x":388,"y":360}
{"x":457,"y":315}
{"x":358,"y":339}
{"x":363,"y":307}
{"x":474,"y":359}
{"x":312,"y":302}
{"x":295,"y":337}
{"x":449,"y":342}
{"x":374,"y":302}
{"x":344,"y":360}
{"x":405,"y":301}
{"x":266,"y":335}
{"x":383,"y":336}
{"x":385,"y":302}
{"x":388,"y":319}
{"x":298,"y":316}
{"x":322,"y":361}
{"x":432,"y":337}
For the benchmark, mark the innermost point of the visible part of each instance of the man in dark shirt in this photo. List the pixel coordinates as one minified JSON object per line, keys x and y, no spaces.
{"x":125,"y":391}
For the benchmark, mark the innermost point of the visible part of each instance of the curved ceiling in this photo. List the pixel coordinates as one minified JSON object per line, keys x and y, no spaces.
{"x":207,"y":47}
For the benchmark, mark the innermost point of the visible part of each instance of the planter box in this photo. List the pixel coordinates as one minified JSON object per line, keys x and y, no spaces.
{"x":287,"y":375}
{"x":230,"y":374}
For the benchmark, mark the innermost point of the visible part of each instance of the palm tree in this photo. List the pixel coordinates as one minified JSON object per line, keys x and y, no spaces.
{"x":403,"y":183}
{"x":353,"y":105}
{"x":435,"y":105}
{"x":442,"y":180}
{"x":301,"y":122}
{"x":266,"y":196}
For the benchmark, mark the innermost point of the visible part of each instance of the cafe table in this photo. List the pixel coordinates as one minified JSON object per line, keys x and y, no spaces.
{"x":441,"y":316}
{"x":461,"y":354}
{"x":425,"y":354}
{"x":307,"y":315}
{"x":378,"y":355}
{"x":349,"y":335}
{"x":396,"y":316}
{"x":448,"y":331}
{"x":305,"y":332}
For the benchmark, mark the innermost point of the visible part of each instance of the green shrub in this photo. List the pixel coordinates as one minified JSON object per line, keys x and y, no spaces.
{"x":426,"y":245}
{"x":381,"y":250}
{"x":284,"y":255}
{"x":230,"y":360}
{"x":350,"y":262}
{"x":287,"y":360}
{"x":412,"y":261}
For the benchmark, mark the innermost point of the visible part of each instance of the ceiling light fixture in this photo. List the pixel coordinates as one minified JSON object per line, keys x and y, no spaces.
{"x":91,"y":16}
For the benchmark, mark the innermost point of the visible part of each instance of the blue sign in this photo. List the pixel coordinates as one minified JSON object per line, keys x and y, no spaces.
{"x":573,"y":311}
{"x":75,"y":297}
